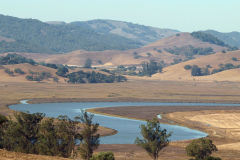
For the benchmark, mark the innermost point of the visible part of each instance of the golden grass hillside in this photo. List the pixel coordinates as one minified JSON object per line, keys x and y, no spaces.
{"x":4,"y":77}
{"x":178,"y":73}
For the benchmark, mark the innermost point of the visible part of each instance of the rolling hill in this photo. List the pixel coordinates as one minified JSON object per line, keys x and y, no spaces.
{"x":128,"y":57}
{"x":34,"y":36}
{"x":232,"y":38}
{"x":141,"y":33}
{"x":178,"y":73}
{"x":25,"y":67}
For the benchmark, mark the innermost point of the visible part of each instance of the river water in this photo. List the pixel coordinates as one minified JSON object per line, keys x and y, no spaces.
{"x":127,"y":129}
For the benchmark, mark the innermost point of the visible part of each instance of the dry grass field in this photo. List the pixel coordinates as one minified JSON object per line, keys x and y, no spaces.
{"x":13,"y":89}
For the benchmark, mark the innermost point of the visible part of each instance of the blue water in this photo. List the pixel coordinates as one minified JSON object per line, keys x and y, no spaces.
{"x":127,"y":129}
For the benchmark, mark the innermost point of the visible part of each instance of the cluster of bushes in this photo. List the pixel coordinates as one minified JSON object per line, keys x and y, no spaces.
{"x":19,"y":71}
{"x":18,"y":59}
{"x":189,"y":51}
{"x":224,"y":67}
{"x":16,"y":70}
{"x":38,"y":76}
{"x":15,"y":59}
{"x":136,"y":56}
{"x":197,"y":71}
{"x":8,"y":71}
{"x":150,"y":68}
{"x":32,"y":135}
{"x":158,"y":50}
{"x":93,"y":77}
{"x":176,"y":61}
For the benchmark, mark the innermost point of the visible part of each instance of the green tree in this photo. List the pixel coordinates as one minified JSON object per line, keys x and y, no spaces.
{"x":67,"y":132}
{"x":48,"y":139}
{"x":205,"y":71}
{"x":21,"y":135}
{"x":39,"y":78}
{"x":200,"y":148}
{"x":18,"y":70}
{"x":90,"y":138}
{"x":62,"y":71}
{"x":135,"y":53}
{"x":160,"y":68}
{"x":88,"y":63}
{"x":31,"y":61}
{"x":234,"y":59}
{"x":196,"y":71}
{"x":149,"y":54}
{"x":188,"y":67}
{"x":154,"y":138}
{"x":208,"y":66}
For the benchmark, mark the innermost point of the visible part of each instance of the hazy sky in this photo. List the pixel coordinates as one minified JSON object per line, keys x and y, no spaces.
{"x":182,"y":15}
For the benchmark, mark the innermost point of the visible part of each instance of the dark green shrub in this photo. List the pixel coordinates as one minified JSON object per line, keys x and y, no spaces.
{"x":18,"y":70}
{"x":208,"y":66}
{"x":196,"y":71}
{"x":104,"y":156}
{"x":200,"y":148}
{"x":188,"y":67}
{"x":234,"y":59}
{"x":212,"y":158}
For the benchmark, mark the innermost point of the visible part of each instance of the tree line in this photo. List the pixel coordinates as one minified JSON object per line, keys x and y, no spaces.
{"x":34,"y":134}
{"x":197,"y":71}
{"x":93,"y":77}
{"x":189,"y":51}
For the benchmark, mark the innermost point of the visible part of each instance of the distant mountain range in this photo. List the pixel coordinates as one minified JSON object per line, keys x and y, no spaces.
{"x":141,"y":33}
{"x":34,"y":36}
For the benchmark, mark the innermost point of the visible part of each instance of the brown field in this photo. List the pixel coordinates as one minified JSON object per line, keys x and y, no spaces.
{"x":14,"y":89}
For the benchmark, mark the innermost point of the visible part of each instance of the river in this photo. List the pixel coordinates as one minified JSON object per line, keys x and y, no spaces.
{"x":128,"y":129}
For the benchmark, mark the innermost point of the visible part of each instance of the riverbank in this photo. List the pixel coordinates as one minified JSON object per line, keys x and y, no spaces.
{"x":221,"y":123}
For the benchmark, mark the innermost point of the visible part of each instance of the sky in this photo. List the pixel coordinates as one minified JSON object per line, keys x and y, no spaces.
{"x":182,"y":15}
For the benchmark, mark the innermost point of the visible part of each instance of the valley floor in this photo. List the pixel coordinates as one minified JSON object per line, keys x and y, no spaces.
{"x":142,"y":90}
